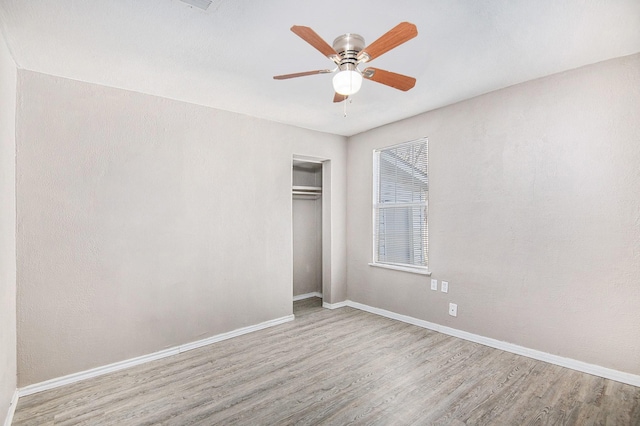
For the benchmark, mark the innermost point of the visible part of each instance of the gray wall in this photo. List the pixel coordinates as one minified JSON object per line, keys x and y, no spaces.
{"x":145,"y":223}
{"x":534,"y":215}
{"x":307,"y":246}
{"x":7,"y":228}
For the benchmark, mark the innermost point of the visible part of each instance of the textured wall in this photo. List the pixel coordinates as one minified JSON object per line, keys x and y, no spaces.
{"x":307,"y":246}
{"x":145,"y":223}
{"x":534,"y":215}
{"x":7,"y":228}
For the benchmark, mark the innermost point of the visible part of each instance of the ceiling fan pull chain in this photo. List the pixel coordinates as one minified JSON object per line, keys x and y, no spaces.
{"x":345,"y":109}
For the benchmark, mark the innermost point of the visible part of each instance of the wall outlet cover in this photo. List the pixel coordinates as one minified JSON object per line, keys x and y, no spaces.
{"x":445,"y":286}
{"x":453,"y":309}
{"x":434,"y":284}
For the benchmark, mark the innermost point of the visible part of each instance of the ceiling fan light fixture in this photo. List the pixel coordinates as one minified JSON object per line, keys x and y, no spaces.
{"x":347,"y":82}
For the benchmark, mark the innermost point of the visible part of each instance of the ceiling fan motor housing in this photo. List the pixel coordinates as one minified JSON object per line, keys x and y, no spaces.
{"x":348,"y":46}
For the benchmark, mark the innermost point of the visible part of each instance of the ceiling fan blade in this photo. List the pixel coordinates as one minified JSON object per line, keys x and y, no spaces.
{"x":339,"y":98}
{"x":311,"y":37}
{"x":397,"y":81}
{"x":399,"y":34}
{"x":300,"y":74}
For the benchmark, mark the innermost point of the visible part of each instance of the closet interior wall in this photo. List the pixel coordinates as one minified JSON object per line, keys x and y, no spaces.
{"x":307,"y":228}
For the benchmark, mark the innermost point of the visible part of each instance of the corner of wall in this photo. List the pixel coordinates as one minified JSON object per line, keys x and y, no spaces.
{"x":8,"y":339}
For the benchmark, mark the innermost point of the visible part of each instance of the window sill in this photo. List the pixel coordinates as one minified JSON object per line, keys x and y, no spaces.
{"x":419,"y":271}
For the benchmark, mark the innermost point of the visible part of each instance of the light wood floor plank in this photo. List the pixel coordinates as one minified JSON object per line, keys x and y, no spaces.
{"x":338,"y":367}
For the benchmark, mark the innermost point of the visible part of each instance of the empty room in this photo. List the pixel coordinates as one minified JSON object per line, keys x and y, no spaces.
{"x":339,"y":212}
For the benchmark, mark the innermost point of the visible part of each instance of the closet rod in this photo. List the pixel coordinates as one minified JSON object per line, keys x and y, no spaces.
{"x":306,"y":193}
{"x":307,"y":188}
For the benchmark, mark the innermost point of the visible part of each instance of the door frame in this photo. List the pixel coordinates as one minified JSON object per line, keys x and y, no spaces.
{"x":326,"y":222}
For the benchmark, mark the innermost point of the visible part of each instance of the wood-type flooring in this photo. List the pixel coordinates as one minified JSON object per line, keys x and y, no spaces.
{"x":338,"y":367}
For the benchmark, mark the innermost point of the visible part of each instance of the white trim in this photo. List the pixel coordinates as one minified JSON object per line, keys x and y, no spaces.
{"x":121,"y":365}
{"x":596,"y":370}
{"x":309,"y":159}
{"x":607,"y":373}
{"x":421,"y":271}
{"x":12,"y":408}
{"x":94,"y":372}
{"x":335,"y":305}
{"x":307,"y":296}
{"x":235,"y":333}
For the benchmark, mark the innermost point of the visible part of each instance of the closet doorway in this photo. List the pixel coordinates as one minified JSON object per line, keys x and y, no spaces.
{"x":307,"y":225}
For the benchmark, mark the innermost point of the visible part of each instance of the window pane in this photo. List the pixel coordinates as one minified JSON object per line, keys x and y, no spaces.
{"x":400,"y":205}
{"x":401,"y":235}
{"x":403,"y":174}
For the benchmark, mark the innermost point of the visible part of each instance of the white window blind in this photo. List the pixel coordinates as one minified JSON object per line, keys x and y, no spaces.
{"x":400,"y":205}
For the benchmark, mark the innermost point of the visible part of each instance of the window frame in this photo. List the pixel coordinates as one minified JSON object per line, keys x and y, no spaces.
{"x":406,"y":267}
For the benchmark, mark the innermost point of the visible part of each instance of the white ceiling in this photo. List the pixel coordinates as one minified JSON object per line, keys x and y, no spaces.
{"x":225,"y":57}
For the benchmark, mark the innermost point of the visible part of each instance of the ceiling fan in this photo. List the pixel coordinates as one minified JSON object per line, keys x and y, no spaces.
{"x":349,"y":51}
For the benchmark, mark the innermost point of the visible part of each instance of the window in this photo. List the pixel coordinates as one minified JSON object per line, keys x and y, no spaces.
{"x":400,"y":206}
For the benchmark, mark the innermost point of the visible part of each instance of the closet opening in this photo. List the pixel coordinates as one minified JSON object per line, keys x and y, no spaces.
{"x":309,"y":220}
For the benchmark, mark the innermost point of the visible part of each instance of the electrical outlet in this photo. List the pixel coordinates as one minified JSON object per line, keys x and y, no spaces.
{"x":434,"y":285}
{"x":445,"y":286}
{"x":453,"y":309}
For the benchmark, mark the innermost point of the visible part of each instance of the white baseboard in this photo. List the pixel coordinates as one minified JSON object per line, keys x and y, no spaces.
{"x":581,"y":366}
{"x":12,"y":409}
{"x":307,"y":296}
{"x":335,"y":305}
{"x":234,"y":333}
{"x":596,"y":370}
{"x":121,"y":365}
